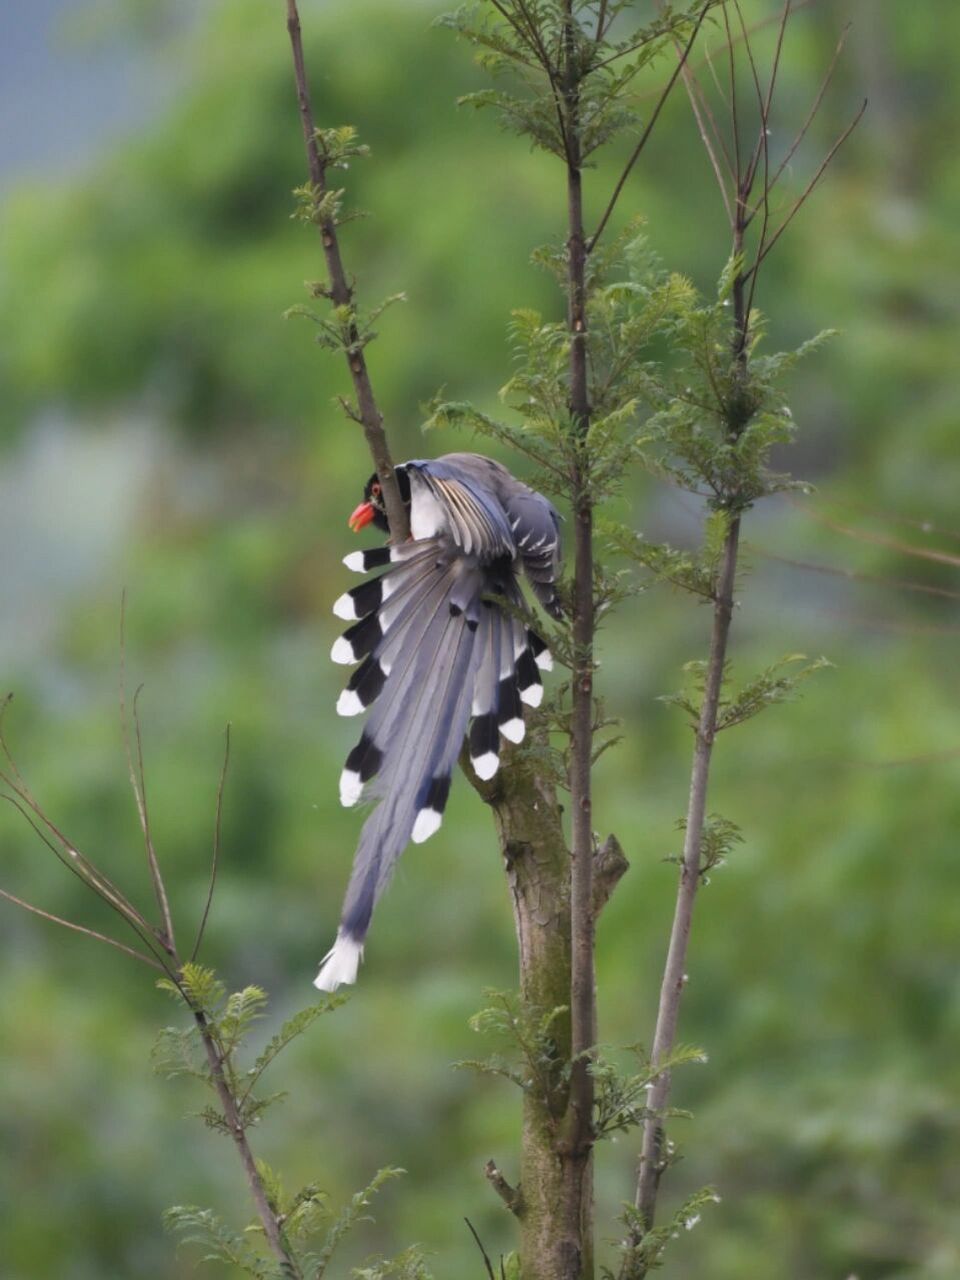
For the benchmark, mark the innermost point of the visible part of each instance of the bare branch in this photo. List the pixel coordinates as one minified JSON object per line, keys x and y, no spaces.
{"x":857,"y":575}
{"x":778,"y":50}
{"x":88,"y":875}
{"x":591,"y":243}
{"x":674,"y":974}
{"x":610,"y":865}
{"x":892,"y":544}
{"x":512,"y":1197}
{"x":341,"y":294}
{"x":734,"y":119}
{"x":812,"y":113}
{"x":138,"y":784}
{"x":802,"y":199}
{"x":79,"y":928}
{"x":488,"y":1265}
{"x":711,"y":138}
{"x":216,"y":848}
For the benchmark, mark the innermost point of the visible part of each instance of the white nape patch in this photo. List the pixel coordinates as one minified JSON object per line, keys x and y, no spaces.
{"x":348,"y":704}
{"x":345,"y":608}
{"x":427,"y":516}
{"x":513,"y":730}
{"x":342,"y":652}
{"x":340,"y":964}
{"x":532,"y":695}
{"x":428,"y":821}
{"x":350,"y":788}
{"x":544,"y":660}
{"x":355,"y":562}
{"x":485,"y":766}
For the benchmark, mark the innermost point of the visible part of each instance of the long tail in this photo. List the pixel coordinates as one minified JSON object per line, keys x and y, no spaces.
{"x":417,"y":635}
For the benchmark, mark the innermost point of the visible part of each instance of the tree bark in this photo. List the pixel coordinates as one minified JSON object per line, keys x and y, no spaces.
{"x":528,"y":818}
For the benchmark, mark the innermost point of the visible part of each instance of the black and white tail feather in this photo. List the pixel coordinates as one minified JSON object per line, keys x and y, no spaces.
{"x":440,"y":651}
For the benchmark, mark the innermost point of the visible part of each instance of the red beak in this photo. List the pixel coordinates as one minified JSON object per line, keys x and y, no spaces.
{"x":362,"y":516}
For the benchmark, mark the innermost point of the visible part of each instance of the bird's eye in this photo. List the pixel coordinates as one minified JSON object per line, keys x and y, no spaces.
{"x":375,"y":490}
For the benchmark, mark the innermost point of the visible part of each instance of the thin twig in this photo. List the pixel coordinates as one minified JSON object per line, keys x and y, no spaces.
{"x":237,"y":1131}
{"x":136,"y":776}
{"x":217,"y":826}
{"x":99,"y":885}
{"x":703,"y":115}
{"x":591,"y":243}
{"x":802,"y":199}
{"x":734,"y":118}
{"x":341,"y":294}
{"x":856,"y":575}
{"x":160,"y":889}
{"x":812,"y":113}
{"x":486,"y":1261}
{"x":79,"y":928}
{"x":674,"y":974}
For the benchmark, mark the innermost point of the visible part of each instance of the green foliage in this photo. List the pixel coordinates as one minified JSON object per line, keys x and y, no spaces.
{"x":651,"y":1245}
{"x":348,"y":329}
{"x":305,"y":1219}
{"x":621,"y":1097}
{"x":717,"y":839}
{"x":776,"y":684}
{"x":310,"y":1232}
{"x":719,"y":412}
{"x":533,"y":1061}
{"x":228,"y":1021}
{"x":543,"y":45}
{"x":150,"y":274}
{"x":408,"y":1265}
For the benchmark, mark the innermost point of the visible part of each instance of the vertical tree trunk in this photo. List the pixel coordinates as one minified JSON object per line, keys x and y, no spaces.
{"x":528,"y":817}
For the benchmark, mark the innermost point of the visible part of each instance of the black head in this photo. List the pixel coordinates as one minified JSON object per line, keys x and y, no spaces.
{"x":372,"y":509}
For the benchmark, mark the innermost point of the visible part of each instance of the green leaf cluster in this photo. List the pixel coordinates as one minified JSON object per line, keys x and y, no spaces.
{"x":538,"y":48}
{"x":304,"y":1218}
{"x":643,"y":1250}
{"x":775,"y":684}
{"x":620,"y":1101}
{"x":533,"y":1060}
{"x":718,"y":835}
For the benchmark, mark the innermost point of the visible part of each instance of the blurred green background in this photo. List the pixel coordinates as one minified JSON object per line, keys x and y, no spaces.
{"x":165,"y":431}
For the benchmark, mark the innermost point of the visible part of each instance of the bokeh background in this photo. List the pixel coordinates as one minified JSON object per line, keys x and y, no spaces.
{"x":163,"y":430}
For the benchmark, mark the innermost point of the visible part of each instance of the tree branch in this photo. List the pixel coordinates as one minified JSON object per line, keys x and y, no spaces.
{"x":79,"y":928}
{"x":674,"y":974}
{"x":217,"y":828}
{"x":591,"y":244}
{"x":610,"y":865}
{"x":341,"y":294}
{"x":512,"y":1197}
{"x":268,"y":1219}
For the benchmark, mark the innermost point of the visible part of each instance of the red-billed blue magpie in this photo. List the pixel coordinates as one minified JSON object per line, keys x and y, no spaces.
{"x":440,"y":647}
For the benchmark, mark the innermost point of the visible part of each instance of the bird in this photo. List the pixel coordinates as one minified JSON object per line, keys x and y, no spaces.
{"x":441,"y":654}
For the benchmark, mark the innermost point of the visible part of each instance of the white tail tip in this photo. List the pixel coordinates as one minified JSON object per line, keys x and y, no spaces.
{"x":340,"y":964}
{"x":428,"y":821}
{"x":532,"y":695}
{"x":513,"y":730}
{"x":348,"y":704}
{"x":345,"y":608}
{"x":342,"y":652}
{"x":485,"y":766}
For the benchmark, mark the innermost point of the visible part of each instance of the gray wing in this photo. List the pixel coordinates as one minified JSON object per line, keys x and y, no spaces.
{"x":535,"y":526}
{"x":474,"y":516}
